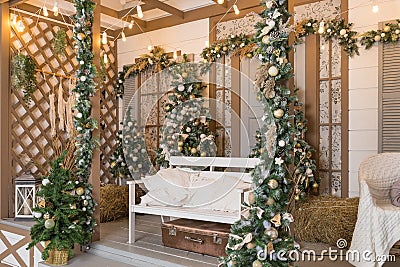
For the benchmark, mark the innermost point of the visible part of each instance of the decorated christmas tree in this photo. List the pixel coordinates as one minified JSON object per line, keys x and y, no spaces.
{"x":134,"y":148}
{"x":60,"y":214}
{"x":262,"y":236}
{"x":118,"y":166}
{"x":186,"y":129}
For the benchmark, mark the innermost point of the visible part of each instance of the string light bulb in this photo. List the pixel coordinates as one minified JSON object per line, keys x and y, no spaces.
{"x":221,"y":2}
{"x":123,"y":36}
{"x":236,"y":9}
{"x":55,"y":9}
{"x":321,"y":28}
{"x":130,"y":26}
{"x":104,"y":38}
{"x":20,"y":26}
{"x":14,"y":19}
{"x":375,"y":7}
{"x":45,"y":12}
{"x":175,"y":56}
{"x":139,"y":11}
{"x":105,"y":58}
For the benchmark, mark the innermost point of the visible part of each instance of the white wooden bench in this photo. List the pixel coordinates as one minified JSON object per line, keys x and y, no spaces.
{"x":193,"y":213}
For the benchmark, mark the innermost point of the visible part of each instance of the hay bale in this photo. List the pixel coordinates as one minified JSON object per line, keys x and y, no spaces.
{"x":325,"y":219}
{"x":113,"y":202}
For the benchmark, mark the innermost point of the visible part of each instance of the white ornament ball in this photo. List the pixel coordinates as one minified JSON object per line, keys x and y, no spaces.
{"x":134,"y":159}
{"x":83,"y":78}
{"x":202,"y":136}
{"x":130,"y":124}
{"x":81,"y":62}
{"x":37,"y":214}
{"x":269,"y":4}
{"x":188,"y":129}
{"x":282,"y":143}
{"x":271,"y":23}
{"x":48,"y":224}
{"x":181,"y":88}
{"x":45,"y":182}
{"x":308,"y":171}
{"x":343,"y":32}
{"x":273,"y":71}
{"x":397,"y":31}
{"x":79,"y":115}
{"x":84,"y":209}
{"x":139,"y":166}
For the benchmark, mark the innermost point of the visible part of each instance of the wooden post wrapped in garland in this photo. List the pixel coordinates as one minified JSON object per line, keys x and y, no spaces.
{"x":83,"y":122}
{"x":262,"y":237}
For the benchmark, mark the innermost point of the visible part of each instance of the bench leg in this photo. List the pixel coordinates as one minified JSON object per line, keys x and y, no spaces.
{"x":132,"y":198}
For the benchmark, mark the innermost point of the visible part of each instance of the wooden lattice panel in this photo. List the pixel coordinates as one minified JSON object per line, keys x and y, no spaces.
{"x":109,"y":111}
{"x":30,"y":125}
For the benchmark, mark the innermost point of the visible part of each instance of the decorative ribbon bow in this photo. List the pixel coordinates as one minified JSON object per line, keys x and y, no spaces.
{"x":245,"y":240}
{"x":246,"y":212}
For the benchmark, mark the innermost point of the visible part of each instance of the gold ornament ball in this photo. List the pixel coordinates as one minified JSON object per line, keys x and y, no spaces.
{"x":249,"y":55}
{"x":167,"y":108}
{"x":251,"y":198}
{"x":315,"y":185}
{"x":270,"y":201}
{"x":377,"y":38}
{"x":80,"y":191}
{"x":272,"y":233}
{"x":297,"y":198}
{"x":258,"y":97}
{"x":184,"y":75}
{"x":273,"y":184}
{"x":386,"y":28}
{"x":278,"y":113}
{"x":203,"y":154}
{"x":113,"y":164}
{"x":217,"y":48}
{"x":196,"y":123}
{"x":180,"y":143}
{"x":193,"y":150}
{"x":265,"y":39}
{"x":81,"y":36}
{"x":273,"y":71}
{"x":250,"y":245}
{"x":224,"y":48}
{"x":49,"y":223}
{"x":257,"y":263}
{"x":180,"y":149}
{"x":309,"y":154}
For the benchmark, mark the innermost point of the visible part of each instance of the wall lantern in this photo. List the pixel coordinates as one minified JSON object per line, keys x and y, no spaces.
{"x":26,"y":188}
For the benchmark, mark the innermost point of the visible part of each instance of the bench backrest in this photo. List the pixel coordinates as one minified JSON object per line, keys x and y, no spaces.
{"x":212,"y":162}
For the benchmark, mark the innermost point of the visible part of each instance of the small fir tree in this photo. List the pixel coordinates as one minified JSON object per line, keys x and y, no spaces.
{"x":134,"y":150}
{"x":60,"y":215}
{"x":118,"y":166}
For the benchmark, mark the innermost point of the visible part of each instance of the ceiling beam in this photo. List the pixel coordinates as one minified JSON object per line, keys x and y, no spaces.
{"x":167,"y":8}
{"x":192,"y":15}
{"x":16,"y":2}
{"x":225,"y":4}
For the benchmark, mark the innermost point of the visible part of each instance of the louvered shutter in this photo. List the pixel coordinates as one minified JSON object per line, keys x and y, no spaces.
{"x":390,"y":99}
{"x":130,"y":100}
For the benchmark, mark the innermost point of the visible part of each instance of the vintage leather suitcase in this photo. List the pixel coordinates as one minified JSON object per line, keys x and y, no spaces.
{"x":198,"y":236}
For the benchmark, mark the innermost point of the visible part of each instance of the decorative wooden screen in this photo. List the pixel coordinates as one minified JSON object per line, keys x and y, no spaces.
{"x":30,"y":124}
{"x":389,"y":98}
{"x":109,"y":114}
{"x":327,"y":99}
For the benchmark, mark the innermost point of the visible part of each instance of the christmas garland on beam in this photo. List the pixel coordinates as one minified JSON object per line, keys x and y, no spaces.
{"x":83,"y":122}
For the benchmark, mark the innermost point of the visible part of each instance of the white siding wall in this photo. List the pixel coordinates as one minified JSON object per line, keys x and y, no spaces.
{"x":363,"y":86}
{"x":189,"y":38}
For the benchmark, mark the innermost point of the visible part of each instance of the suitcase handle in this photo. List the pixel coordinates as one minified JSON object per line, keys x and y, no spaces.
{"x":197,"y":240}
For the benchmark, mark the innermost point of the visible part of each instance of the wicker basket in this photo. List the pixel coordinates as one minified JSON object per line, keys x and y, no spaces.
{"x":395,"y":249}
{"x":57,"y":257}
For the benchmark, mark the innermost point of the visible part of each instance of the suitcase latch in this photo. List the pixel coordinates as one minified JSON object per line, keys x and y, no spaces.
{"x":172,"y":231}
{"x":217,"y":240}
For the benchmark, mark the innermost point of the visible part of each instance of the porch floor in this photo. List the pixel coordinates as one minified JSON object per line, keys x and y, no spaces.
{"x":149,"y":251}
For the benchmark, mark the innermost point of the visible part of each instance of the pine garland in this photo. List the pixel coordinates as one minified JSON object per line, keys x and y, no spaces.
{"x":23,"y":76}
{"x":83,"y":122}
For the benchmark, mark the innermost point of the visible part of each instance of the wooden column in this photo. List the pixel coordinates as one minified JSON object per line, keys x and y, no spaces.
{"x":95,"y":170}
{"x":5,"y":162}
{"x":236,"y":107}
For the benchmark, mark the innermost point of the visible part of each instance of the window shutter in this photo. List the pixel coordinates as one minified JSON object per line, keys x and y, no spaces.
{"x":130,"y":85}
{"x":390,"y":98}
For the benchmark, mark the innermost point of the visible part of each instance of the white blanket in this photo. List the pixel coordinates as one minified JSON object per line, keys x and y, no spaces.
{"x":194,"y":189}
